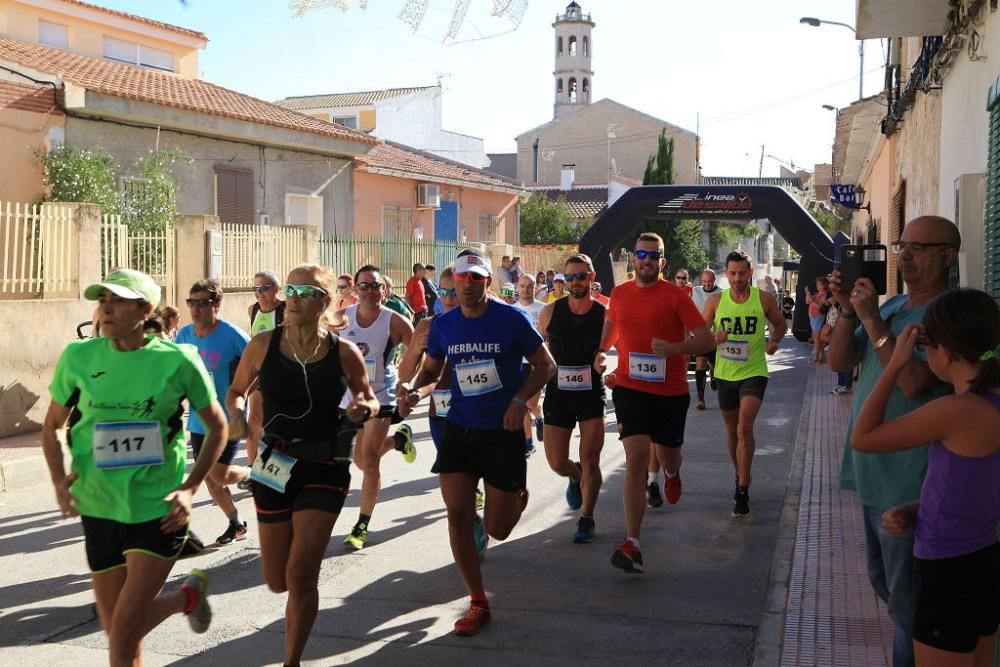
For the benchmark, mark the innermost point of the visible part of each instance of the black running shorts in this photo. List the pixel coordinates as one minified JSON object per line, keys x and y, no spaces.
{"x":228,"y":452}
{"x":732,"y":392}
{"x":107,"y":541}
{"x":957,"y":599}
{"x":496,"y":456}
{"x":311,"y":486}
{"x":662,"y":418}
{"x":565,"y":408}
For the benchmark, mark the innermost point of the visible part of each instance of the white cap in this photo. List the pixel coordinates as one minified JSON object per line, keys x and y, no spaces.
{"x":473,"y":263}
{"x":559,"y":277}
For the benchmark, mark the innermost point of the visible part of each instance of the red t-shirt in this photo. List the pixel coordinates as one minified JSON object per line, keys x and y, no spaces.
{"x":689,"y":290}
{"x":640,"y":314}
{"x":415,"y":294}
{"x":602,"y":299}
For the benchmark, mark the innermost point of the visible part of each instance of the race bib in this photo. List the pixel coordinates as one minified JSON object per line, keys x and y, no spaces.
{"x":442,"y":401}
{"x":573,"y":378}
{"x":478,"y":377}
{"x":275,"y":473}
{"x":127,"y":444}
{"x":735,"y":350}
{"x":370,"y":368}
{"x":647,"y":367}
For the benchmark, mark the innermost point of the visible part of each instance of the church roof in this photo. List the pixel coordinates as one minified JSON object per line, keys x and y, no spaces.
{"x":608,"y":102}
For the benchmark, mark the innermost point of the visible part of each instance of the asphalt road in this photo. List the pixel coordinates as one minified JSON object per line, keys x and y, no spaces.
{"x":699,"y":602}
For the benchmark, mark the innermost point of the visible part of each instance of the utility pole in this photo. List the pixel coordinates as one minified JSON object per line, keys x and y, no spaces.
{"x":760,"y":170}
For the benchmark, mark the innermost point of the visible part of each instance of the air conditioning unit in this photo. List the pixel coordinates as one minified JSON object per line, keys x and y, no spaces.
{"x":428,"y":196}
{"x":265,"y":219}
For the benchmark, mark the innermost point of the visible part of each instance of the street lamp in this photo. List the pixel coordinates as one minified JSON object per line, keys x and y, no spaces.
{"x":815,"y":22}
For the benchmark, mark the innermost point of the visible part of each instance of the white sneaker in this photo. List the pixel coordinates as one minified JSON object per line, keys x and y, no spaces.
{"x":201,"y":616}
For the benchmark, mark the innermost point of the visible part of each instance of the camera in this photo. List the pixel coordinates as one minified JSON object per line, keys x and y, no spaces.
{"x":863,"y":261}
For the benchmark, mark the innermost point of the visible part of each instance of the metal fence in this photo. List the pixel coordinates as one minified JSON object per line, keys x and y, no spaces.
{"x":247,"y":249}
{"x":396,"y":257}
{"x":38,"y":251}
{"x":152,"y":252}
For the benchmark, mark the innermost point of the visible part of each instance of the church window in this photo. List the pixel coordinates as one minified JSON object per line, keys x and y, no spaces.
{"x":559,"y":46}
{"x":586,"y":47}
{"x":572,"y":46}
{"x":572,"y":91}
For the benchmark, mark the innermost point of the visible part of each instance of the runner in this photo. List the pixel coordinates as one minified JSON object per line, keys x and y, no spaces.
{"x":527,"y":304}
{"x":125,"y":389}
{"x":484,"y":341}
{"x":558,"y":289}
{"x":595,"y":291}
{"x":526,"y":301}
{"x":220,"y":345}
{"x":508,"y":294}
{"x":415,"y":296}
{"x":345,"y":293}
{"x":572,"y":328}
{"x":265,"y":313}
{"x":738,"y":316}
{"x":704,"y":362}
{"x":393,"y":302}
{"x":681,"y":281}
{"x":376,"y":331}
{"x":647,"y":322}
{"x":303,"y":474}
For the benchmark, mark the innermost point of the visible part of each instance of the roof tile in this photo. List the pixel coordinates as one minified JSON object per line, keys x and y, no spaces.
{"x":421,"y":164}
{"x":140,"y":19}
{"x":309,"y":102}
{"x":144,"y":85}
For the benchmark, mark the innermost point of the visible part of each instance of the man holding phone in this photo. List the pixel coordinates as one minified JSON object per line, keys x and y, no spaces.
{"x":865,"y":334}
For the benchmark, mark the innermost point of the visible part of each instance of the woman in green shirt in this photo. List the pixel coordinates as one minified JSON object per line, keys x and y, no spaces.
{"x":122,"y":395}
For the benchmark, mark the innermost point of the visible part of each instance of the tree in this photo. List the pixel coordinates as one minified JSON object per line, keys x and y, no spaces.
{"x":681,"y":238}
{"x":829,"y":222}
{"x":544,"y":221}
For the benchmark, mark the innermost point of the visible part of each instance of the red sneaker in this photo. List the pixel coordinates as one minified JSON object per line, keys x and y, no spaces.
{"x":672,"y":488}
{"x":474,"y":619}
{"x":627,"y":557}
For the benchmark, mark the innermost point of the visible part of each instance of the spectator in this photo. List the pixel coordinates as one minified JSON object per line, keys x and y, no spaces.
{"x":845,"y":379}
{"x":541,"y":288}
{"x":550,"y":276}
{"x":416,"y":298}
{"x":345,"y":293}
{"x":769,"y":285}
{"x":393,"y":302}
{"x":503,"y":273}
{"x":595,"y":293}
{"x":515,"y":269}
{"x":927,"y":251}
{"x":508,"y":293}
{"x":170,"y":319}
{"x":430,"y":289}
{"x":819,"y":304}
{"x":558,"y":288}
{"x":956,"y":558}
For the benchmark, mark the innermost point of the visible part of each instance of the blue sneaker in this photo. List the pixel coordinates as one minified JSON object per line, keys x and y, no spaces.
{"x":482,"y":539}
{"x":574,"y":494}
{"x":539,"y":423}
{"x":584,"y":530}
{"x":529,"y":448}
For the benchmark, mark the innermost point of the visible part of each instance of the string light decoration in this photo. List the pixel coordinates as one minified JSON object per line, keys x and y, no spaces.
{"x":412,"y":13}
{"x":457,"y":17}
{"x":516,"y":10}
{"x":300,"y":7}
{"x":500,"y":7}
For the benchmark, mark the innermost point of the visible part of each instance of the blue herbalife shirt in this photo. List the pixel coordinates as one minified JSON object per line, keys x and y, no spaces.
{"x":220,"y":351}
{"x":485,"y":354}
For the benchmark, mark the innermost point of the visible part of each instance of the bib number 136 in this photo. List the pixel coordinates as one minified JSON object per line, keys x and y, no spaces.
{"x":647,"y":367}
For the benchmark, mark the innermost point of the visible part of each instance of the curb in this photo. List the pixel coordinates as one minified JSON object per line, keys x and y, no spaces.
{"x":768,"y":642}
{"x":23,"y":472}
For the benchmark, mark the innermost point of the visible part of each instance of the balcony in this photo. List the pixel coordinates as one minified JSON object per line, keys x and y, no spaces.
{"x":901,"y":18}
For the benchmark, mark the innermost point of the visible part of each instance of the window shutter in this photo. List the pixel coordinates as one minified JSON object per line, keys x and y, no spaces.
{"x":897,"y":218}
{"x":244,"y":198}
{"x":991,"y":237}
{"x":234,"y":195}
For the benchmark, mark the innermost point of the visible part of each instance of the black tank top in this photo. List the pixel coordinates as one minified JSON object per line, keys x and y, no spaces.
{"x":285,"y":397}
{"x":575,"y":339}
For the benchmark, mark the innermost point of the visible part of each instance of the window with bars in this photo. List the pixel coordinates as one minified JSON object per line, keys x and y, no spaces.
{"x":488,"y":227}
{"x":396,"y":222}
{"x":991,"y":236}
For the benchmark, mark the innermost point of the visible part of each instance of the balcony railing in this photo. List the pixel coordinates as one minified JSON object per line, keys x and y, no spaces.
{"x":902,"y":96}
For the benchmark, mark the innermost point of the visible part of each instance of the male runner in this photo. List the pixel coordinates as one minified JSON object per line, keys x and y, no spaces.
{"x":704,"y":361}
{"x":558,"y":289}
{"x":220,"y":345}
{"x":648,"y":322}
{"x":531,"y":307}
{"x":738,"y":316}
{"x":572,"y":328}
{"x":266,"y":313}
{"x":484,"y":341}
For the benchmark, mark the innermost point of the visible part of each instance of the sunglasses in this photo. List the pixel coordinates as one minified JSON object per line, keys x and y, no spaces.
{"x":364,"y":287}
{"x":305,"y":291}
{"x":680,"y":277}
{"x":343,"y":287}
{"x":447,"y":291}
{"x":262,"y":288}
{"x":581,"y":275}
{"x":595,"y":288}
{"x":201,"y":303}
{"x":469,"y":275}
{"x":651,"y":254}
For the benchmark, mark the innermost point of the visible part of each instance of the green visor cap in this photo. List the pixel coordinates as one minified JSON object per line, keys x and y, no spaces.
{"x":127,"y":284}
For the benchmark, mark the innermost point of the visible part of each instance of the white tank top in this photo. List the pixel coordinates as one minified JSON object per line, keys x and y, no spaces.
{"x":375,"y":345}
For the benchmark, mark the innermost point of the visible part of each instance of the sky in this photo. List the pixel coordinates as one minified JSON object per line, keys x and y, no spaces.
{"x":744,"y":74}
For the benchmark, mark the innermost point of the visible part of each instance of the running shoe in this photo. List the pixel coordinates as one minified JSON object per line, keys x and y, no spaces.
{"x":584,"y":530}
{"x":627,"y":557}
{"x":672,"y":488}
{"x":539,"y":423}
{"x":407,"y":448}
{"x":482,"y":538}
{"x":235,"y":532}
{"x":480,"y":501}
{"x":473,"y":620}
{"x":574,"y":494}
{"x":741,"y":502}
{"x":529,"y":448}
{"x":653,"y":498}
{"x":245,"y":484}
{"x":358,"y":536}
{"x":200,"y":616}
{"x":701,"y":404}
{"x":713,"y":383}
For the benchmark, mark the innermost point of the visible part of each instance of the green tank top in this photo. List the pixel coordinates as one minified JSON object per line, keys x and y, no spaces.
{"x":742,"y":355}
